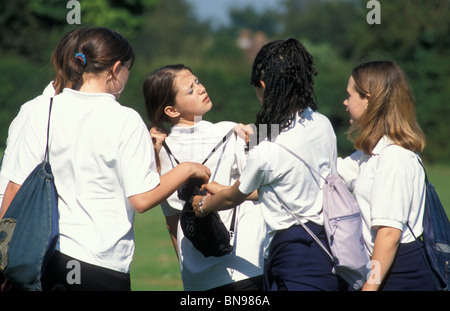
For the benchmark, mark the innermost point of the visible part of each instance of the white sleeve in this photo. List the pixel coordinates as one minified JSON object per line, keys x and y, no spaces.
{"x":257,"y":171}
{"x":29,"y":149}
{"x":392,"y":191}
{"x":137,"y":158}
{"x":348,"y":168}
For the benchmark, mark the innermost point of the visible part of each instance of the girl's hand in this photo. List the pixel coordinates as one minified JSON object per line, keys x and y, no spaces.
{"x":244,"y":131}
{"x":197,"y":170}
{"x":196,"y":207}
{"x":213,"y":187}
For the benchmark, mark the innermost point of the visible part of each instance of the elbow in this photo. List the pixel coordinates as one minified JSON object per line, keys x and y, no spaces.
{"x":139,"y":204}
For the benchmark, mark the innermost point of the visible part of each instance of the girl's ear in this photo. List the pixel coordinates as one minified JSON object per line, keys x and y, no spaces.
{"x":115,"y":69}
{"x":171,"y":112}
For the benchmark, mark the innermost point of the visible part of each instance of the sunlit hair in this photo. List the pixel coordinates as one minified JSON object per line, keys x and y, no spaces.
{"x":102,"y":48}
{"x":286,"y":68}
{"x":390,"y":110}
{"x":62,"y":54}
{"x":159,"y":92}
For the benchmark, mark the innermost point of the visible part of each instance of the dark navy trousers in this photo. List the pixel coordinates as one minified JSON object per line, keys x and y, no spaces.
{"x":409,"y":271}
{"x":296,"y":263}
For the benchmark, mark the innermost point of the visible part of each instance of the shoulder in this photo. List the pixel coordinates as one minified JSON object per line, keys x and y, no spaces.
{"x":397,"y":158}
{"x":223,"y":126}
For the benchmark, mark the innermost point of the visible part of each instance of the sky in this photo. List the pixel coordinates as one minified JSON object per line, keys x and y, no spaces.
{"x":217,"y":10}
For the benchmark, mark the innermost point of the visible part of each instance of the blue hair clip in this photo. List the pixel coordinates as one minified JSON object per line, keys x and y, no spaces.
{"x":81,"y":57}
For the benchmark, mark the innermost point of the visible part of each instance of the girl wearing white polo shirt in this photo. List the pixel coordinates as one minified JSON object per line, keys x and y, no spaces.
{"x":103,"y":162}
{"x":63,"y":49}
{"x":283,"y":75}
{"x":173,"y":94}
{"x":385,"y":175}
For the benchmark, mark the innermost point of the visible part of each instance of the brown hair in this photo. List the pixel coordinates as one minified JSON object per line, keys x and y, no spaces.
{"x":64,"y":50}
{"x":159,"y":92}
{"x":390,"y":110}
{"x":102,"y":48}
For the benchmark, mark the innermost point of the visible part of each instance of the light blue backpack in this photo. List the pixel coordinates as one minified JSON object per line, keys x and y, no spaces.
{"x":343,"y":227}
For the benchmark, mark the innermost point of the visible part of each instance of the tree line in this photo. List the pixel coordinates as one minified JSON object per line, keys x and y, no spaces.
{"x":413,"y":33}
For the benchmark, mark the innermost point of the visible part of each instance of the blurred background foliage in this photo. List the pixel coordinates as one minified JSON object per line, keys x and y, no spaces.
{"x":413,"y":33}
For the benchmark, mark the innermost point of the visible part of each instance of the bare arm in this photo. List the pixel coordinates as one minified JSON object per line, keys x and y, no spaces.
{"x":10,"y":193}
{"x":227,"y":198}
{"x":214,"y":187}
{"x":169,"y":183}
{"x":384,"y":250}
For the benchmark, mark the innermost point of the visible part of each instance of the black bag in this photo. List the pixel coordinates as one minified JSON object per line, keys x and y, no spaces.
{"x":208,"y":234}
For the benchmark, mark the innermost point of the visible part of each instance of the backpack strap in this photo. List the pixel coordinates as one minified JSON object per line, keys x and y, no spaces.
{"x":304,"y":162}
{"x":46,"y":156}
{"x":315,"y":238}
{"x":410,"y":229}
{"x":222,"y":141}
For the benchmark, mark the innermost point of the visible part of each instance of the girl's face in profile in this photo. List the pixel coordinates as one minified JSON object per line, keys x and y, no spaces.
{"x":354,"y":103}
{"x":191,"y":99}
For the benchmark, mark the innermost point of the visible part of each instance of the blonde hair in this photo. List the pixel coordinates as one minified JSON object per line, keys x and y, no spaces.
{"x":390,"y":110}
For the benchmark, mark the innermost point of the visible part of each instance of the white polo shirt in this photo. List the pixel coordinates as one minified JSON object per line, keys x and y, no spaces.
{"x":101,"y":153}
{"x":389,"y":187}
{"x":194,"y":144}
{"x":15,"y":129}
{"x":272,"y":169}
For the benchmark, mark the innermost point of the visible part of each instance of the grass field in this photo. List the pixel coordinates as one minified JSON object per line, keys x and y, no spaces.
{"x":155,"y":266}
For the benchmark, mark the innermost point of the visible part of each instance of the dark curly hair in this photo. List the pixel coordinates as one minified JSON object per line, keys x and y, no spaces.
{"x":286,"y":68}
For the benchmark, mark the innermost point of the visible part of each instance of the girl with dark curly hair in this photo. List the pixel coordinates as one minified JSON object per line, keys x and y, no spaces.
{"x":283,"y":75}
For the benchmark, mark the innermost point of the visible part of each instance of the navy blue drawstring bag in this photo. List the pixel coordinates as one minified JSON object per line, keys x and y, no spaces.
{"x":29,"y":229}
{"x":436,"y":237}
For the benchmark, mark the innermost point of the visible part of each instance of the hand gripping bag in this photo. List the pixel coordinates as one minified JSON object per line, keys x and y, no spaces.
{"x":207,"y":234}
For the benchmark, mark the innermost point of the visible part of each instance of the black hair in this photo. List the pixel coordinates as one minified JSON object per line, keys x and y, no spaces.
{"x":286,"y":68}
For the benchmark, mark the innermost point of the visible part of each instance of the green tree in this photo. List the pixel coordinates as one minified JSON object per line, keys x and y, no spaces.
{"x":415,"y":34}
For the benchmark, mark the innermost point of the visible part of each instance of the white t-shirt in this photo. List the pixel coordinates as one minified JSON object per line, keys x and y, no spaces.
{"x":101,"y":153}
{"x":194,"y":144}
{"x":15,"y":129}
{"x":389,"y":187}
{"x":271,"y":168}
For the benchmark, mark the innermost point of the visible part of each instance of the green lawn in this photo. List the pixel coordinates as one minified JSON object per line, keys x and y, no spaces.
{"x":155,"y":266}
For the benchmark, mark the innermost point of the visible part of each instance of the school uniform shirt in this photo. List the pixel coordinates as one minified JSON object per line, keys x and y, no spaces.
{"x":101,"y":153}
{"x":389,"y":187}
{"x":278,"y":175}
{"x":194,"y":144}
{"x":14,"y":131}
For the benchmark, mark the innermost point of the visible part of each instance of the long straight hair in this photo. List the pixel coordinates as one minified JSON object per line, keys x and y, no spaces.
{"x":159,"y":92}
{"x":390,"y":110}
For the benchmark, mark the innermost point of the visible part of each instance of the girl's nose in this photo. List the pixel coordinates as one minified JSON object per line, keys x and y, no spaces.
{"x":201,"y":89}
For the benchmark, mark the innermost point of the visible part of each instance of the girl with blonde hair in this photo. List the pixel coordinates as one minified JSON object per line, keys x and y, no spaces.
{"x":386,"y":176}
